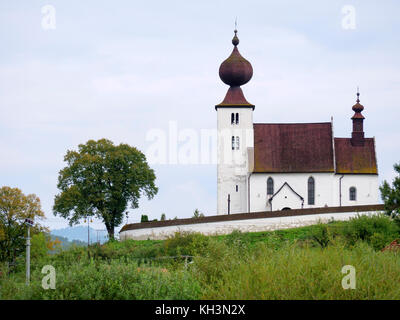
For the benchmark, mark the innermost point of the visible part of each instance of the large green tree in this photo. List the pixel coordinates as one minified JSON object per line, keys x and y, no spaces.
{"x":391,"y":195}
{"x":15,"y":207}
{"x":100,"y":180}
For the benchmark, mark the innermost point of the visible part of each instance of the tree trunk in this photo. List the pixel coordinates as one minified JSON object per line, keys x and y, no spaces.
{"x":110,"y":230}
{"x":111,"y":234}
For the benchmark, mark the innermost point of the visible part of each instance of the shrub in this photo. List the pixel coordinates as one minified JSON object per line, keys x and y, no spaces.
{"x":144,"y":218}
{"x":186,"y":243}
{"x":376,"y":230}
{"x":238,"y":239}
{"x":390,"y":195}
{"x":320,"y":234}
{"x":38,"y":246}
{"x":197,"y":214}
{"x":129,"y":249}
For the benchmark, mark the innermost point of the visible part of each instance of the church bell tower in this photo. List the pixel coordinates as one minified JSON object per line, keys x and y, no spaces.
{"x":235,"y":134}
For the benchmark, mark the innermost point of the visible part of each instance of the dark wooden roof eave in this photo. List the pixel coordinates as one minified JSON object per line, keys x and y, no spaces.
{"x":285,"y":184}
{"x":308,"y":171}
{"x":252,"y":106}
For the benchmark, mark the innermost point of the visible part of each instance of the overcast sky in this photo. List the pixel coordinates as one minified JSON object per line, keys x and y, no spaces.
{"x":119,"y":69}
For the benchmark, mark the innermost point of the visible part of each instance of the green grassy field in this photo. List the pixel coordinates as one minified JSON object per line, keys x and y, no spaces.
{"x":300,"y":263}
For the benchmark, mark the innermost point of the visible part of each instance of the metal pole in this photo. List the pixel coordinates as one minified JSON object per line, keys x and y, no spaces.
{"x":88,"y":233}
{"x":28,"y":257}
{"x":229,"y":203}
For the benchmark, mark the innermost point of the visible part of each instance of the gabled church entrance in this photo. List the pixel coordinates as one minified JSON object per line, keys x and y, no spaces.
{"x":285,"y":198}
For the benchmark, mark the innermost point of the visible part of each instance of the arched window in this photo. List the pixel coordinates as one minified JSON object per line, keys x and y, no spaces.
{"x":232,"y":118}
{"x":270,"y":186}
{"x":233,"y":142}
{"x":311,"y":190}
{"x":237,"y":118}
{"x":237,"y":143}
{"x":353,"y":194}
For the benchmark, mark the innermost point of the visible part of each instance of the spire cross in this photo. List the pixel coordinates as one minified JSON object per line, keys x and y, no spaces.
{"x":358,"y":95}
{"x":235,"y":40}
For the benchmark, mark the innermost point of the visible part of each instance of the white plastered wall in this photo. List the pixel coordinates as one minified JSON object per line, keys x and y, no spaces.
{"x":326,"y":190}
{"x":226,"y":227}
{"x":233,"y":165}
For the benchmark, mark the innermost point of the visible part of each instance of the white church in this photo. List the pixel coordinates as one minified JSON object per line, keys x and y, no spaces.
{"x":282,"y":166}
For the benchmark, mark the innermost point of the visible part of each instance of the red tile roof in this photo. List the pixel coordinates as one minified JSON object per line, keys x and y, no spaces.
{"x":393,"y":246}
{"x":298,"y":147}
{"x":234,"y":97}
{"x":355,"y":159}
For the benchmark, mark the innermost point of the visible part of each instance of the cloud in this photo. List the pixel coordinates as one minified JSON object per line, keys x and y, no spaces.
{"x":118,"y":71}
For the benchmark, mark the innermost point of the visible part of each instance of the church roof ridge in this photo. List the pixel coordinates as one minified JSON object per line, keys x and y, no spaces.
{"x":290,"y":123}
{"x":347,"y":138}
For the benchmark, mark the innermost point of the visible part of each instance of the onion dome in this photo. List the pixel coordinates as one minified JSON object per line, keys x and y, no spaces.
{"x":235,"y":72}
{"x":357,"y":108}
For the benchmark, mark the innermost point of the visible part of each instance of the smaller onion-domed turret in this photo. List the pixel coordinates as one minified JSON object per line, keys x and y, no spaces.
{"x":235,"y":71}
{"x":357,"y":108}
{"x":357,"y":136}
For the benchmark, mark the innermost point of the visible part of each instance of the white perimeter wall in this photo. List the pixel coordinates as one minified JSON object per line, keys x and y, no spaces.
{"x":226,"y":227}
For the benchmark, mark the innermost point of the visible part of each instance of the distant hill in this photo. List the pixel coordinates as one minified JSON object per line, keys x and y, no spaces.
{"x":65,"y":243}
{"x":80,"y":233}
